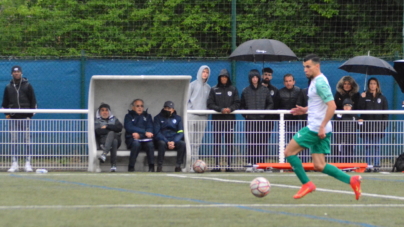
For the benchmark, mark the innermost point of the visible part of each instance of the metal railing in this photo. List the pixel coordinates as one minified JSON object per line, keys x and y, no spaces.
{"x":235,"y":144}
{"x":63,"y":144}
{"x":57,"y":144}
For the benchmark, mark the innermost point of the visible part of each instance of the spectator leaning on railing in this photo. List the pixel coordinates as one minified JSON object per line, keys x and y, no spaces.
{"x":223,"y":98}
{"x":256,"y":97}
{"x":19,"y":94}
{"x":345,"y":126}
{"x":288,"y":99}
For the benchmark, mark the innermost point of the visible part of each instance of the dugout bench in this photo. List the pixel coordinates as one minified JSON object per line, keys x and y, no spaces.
{"x":119,"y":91}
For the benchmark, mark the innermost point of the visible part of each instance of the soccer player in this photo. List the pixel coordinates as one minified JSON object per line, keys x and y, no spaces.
{"x":316,"y":135}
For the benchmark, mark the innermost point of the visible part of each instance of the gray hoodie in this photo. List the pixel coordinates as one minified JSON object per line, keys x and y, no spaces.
{"x":198,"y":94}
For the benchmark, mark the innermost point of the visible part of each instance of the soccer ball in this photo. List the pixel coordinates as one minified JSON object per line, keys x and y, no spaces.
{"x":199,"y":166}
{"x":260,"y":187}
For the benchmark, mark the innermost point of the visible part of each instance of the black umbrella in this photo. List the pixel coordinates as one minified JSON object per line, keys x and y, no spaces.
{"x":368,"y":65}
{"x":399,"y":76}
{"x":263,"y":50}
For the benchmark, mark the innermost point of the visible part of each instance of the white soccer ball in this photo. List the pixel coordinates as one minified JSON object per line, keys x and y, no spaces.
{"x":260,"y":187}
{"x":199,"y":166}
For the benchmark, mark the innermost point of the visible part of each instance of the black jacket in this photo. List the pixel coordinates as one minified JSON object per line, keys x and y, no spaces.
{"x":275,"y":99}
{"x":345,"y":127}
{"x":288,"y":99}
{"x":223,"y":96}
{"x":19,"y":96}
{"x":339,"y":99}
{"x":256,"y":98}
{"x":373,"y":122}
{"x":139,"y":123}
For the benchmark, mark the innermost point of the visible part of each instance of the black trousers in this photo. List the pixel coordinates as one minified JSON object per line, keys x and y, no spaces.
{"x":223,"y":137}
{"x":136,"y":147}
{"x":257,"y":137}
{"x":162,"y":147}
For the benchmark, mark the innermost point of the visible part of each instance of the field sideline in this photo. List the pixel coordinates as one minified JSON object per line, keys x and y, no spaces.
{"x":186,"y":199}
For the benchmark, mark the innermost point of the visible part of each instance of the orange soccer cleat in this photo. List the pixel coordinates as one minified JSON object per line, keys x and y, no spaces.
{"x":355,"y":183}
{"x":306,"y":189}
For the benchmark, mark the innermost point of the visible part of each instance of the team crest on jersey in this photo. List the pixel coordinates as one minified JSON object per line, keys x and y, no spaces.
{"x":174,"y":121}
{"x":144,"y":118}
{"x":272,"y":92}
{"x":379,"y":100}
{"x":229,"y":93}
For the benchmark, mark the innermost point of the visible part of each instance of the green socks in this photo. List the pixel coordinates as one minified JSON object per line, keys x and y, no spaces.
{"x":328,"y":169}
{"x":298,"y":168}
{"x":336,"y":173}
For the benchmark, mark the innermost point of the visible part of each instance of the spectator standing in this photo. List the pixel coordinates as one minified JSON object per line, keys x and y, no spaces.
{"x":347,"y":88}
{"x":223,"y":98}
{"x":107,"y":133}
{"x":374,"y":125}
{"x":139,"y":134}
{"x":198,"y":94}
{"x":169,"y":132}
{"x":346,"y":130}
{"x":267,"y":76}
{"x":256,"y":97}
{"x":19,"y":94}
{"x":288,"y":99}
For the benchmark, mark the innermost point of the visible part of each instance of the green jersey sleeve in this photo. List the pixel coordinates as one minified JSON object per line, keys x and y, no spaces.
{"x":324,"y":90}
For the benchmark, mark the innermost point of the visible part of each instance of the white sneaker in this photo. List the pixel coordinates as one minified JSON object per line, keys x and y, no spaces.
{"x":113,"y":169}
{"x":249,"y":169}
{"x":102,"y":158}
{"x":28,"y":167}
{"x":14,"y":168}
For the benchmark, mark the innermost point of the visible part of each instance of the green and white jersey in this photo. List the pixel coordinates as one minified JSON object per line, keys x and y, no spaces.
{"x":319,"y":94}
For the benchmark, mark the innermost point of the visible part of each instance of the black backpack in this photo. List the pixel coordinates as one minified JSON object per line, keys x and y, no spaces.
{"x":399,"y":165}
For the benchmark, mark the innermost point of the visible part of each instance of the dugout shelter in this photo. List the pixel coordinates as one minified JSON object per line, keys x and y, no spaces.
{"x":119,"y":91}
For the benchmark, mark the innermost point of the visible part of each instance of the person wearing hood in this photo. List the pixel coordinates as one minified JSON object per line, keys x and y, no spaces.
{"x":223,"y":98}
{"x":345,"y":126}
{"x":198,"y":94}
{"x":107,"y":133}
{"x":19,"y":94}
{"x":169,"y":134}
{"x":347,"y":88}
{"x":374,"y":125}
{"x":256,"y":97}
{"x":139,"y":134}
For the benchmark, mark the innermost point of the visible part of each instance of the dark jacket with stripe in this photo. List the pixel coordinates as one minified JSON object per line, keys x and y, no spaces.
{"x":168,"y":129}
{"x":223,"y":96}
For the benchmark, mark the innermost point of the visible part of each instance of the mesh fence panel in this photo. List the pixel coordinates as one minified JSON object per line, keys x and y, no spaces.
{"x":333,"y":29}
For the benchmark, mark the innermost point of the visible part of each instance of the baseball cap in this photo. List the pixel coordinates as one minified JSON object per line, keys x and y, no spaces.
{"x":169,"y":104}
{"x":16,"y":68}
{"x":347,"y":101}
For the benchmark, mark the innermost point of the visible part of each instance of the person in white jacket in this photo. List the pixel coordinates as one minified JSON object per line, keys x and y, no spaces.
{"x":198,"y":95}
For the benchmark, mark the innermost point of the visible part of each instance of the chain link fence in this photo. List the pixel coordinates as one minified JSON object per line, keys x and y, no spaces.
{"x":334,"y":29}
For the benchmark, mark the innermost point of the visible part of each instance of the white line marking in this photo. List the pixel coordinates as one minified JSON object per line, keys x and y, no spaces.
{"x":194,"y":206}
{"x":191,"y":174}
{"x":296,"y":187}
